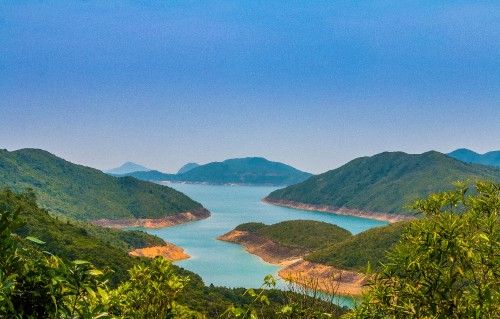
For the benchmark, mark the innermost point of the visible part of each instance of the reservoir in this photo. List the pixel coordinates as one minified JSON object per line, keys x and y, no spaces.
{"x":226,"y":264}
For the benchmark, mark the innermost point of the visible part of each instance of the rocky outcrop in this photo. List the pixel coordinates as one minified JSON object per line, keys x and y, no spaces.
{"x":166,"y":221}
{"x":391,"y":218}
{"x":169,"y":251}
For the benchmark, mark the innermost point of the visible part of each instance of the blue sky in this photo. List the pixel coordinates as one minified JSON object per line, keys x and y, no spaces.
{"x":310,"y":83}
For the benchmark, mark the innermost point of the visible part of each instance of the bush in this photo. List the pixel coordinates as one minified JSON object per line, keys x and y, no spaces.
{"x":447,"y":264}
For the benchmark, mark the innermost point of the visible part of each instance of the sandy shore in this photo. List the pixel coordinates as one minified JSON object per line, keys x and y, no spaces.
{"x":295,"y":268}
{"x":169,"y":251}
{"x":391,"y":218}
{"x":166,"y":221}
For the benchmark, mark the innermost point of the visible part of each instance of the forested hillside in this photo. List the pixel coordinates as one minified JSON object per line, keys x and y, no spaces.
{"x":85,"y":193}
{"x":384,"y":183}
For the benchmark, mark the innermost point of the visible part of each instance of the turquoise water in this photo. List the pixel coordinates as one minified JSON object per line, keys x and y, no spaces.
{"x":226,"y":264}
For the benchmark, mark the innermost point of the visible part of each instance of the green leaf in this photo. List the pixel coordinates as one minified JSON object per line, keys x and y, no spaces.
{"x":35,"y":240}
{"x":94,"y":272}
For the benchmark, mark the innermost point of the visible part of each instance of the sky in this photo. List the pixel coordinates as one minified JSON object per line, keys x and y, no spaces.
{"x":313,"y":84}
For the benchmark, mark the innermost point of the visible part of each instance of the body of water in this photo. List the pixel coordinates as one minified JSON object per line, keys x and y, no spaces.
{"x":227,"y":264}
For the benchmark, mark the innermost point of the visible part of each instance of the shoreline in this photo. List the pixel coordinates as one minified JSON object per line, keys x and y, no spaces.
{"x":295,"y":268}
{"x":222,"y":184}
{"x":150,"y":223}
{"x":169,"y":251}
{"x":386,"y":217}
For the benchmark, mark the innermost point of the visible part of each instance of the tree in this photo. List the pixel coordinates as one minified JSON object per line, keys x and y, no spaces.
{"x":447,"y":264}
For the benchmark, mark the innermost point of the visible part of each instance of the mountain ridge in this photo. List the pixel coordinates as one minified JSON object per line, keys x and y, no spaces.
{"x":240,"y":171}
{"x":491,"y":158}
{"x":383,"y":183}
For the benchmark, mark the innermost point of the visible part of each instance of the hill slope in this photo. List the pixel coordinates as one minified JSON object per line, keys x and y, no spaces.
{"x":127,"y":167}
{"x":383,"y":183}
{"x":468,"y":156}
{"x":71,"y":241}
{"x":306,"y":234}
{"x":84,"y":193}
{"x":354,"y":253}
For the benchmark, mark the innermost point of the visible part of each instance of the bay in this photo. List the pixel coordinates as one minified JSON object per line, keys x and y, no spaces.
{"x":226,"y":264}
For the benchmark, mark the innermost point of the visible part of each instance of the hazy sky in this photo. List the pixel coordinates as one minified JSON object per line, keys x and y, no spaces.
{"x":313,"y":84}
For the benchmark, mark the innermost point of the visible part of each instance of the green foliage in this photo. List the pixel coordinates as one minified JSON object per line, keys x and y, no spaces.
{"x":85,"y":193}
{"x":305,"y":234}
{"x":359,"y":251}
{"x":150,"y":292}
{"x":300,"y":302}
{"x":385,"y":182}
{"x":76,"y":240}
{"x":251,"y":227}
{"x":251,"y":171}
{"x":37,"y":285}
{"x":447,"y":264}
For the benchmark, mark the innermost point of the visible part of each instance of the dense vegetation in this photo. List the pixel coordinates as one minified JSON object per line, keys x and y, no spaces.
{"x":70,"y":240}
{"x":385,"y":182}
{"x":468,"y":156}
{"x":331,"y":245}
{"x":359,"y":251}
{"x":251,"y":171}
{"x":307,"y":234}
{"x":84,"y":193}
{"x":447,"y":265}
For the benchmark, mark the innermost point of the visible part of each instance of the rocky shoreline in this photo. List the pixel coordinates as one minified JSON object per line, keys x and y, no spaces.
{"x":166,"y":221}
{"x":169,"y":251}
{"x":391,"y":218}
{"x":295,"y":268}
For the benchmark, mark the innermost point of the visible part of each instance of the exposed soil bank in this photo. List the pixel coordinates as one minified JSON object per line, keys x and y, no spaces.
{"x":386,"y":217}
{"x":322,"y":277}
{"x":169,"y":251}
{"x":166,"y":221}
{"x":325,"y":278}
{"x":266,"y":249}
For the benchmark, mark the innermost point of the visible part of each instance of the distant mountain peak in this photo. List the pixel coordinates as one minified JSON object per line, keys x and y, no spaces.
{"x":127,"y":167}
{"x":187,"y":167}
{"x":465,"y":155}
{"x":239,"y":171}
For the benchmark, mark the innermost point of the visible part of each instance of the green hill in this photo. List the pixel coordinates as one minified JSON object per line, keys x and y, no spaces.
{"x":468,"y":156}
{"x":85,"y":193}
{"x":305,"y":234}
{"x":246,"y":171}
{"x":383,"y":183}
{"x":71,"y":241}
{"x":354,"y":253}
{"x":187,"y":167}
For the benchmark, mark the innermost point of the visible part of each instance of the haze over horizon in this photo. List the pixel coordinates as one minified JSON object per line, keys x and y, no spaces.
{"x":312,"y":85}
